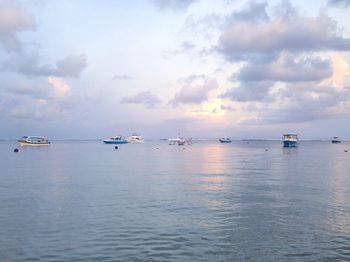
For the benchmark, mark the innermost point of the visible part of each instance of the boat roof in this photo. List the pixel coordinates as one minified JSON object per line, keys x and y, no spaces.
{"x":42,"y":137}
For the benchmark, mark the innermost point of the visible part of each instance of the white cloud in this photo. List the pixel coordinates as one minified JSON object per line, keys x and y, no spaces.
{"x":60,"y":87}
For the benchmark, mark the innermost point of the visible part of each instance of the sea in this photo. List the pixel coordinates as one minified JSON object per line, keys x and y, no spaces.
{"x":243,"y":201}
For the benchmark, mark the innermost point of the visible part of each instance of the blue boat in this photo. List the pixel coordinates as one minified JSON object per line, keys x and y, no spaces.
{"x":290,"y":140}
{"x":225,"y":140}
{"x":115,"y":140}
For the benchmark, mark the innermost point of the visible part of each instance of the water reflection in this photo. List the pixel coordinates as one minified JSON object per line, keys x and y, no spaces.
{"x":339,"y":184}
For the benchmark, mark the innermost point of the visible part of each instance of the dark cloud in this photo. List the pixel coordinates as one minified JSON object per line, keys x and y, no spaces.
{"x":13,"y":20}
{"x":244,"y":40}
{"x":287,"y":68}
{"x":71,"y":66}
{"x":173,"y":4}
{"x":249,"y":91}
{"x":146,"y":98}
{"x":341,"y":3}
{"x":195,"y":90}
{"x":30,"y":65}
{"x":302,"y":105}
{"x":253,"y":12}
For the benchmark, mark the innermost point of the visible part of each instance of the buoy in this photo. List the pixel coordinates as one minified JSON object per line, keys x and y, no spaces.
{"x":266,"y":149}
{"x":15,"y":150}
{"x":345,"y":151}
{"x":116,"y":147}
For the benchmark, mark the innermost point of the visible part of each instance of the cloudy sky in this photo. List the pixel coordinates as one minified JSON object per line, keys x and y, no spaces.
{"x":202,"y":68}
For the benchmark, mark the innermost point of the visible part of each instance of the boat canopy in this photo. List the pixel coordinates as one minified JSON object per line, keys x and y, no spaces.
{"x":290,"y":136}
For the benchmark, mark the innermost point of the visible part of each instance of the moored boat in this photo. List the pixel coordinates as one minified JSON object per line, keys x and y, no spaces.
{"x":290,"y":140}
{"x":135,"y":139}
{"x":180,"y":141}
{"x":34,"y":141}
{"x":225,"y":140}
{"x":336,"y":140}
{"x":115,"y":140}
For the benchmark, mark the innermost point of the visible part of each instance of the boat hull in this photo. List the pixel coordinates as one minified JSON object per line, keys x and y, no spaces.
{"x":290,"y":143}
{"x":23,"y":143}
{"x":225,"y":141}
{"x":336,"y":142}
{"x":115,"y":142}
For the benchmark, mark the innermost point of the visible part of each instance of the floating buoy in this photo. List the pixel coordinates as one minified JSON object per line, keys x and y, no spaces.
{"x":15,"y":150}
{"x":266,"y":149}
{"x":345,"y":151}
{"x":116,"y":147}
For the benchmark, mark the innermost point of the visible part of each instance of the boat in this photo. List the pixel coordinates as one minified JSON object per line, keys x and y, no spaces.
{"x":180,"y":141}
{"x":290,"y":140}
{"x":336,"y":140}
{"x":115,"y":140}
{"x":34,"y":141}
{"x":135,"y":139}
{"x":225,"y":140}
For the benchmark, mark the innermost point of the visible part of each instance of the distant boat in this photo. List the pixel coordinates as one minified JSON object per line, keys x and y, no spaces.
{"x":34,"y":141}
{"x":180,"y":141}
{"x":115,"y":140}
{"x":135,"y":139}
{"x":290,"y":140}
{"x":336,"y":140}
{"x":225,"y":140}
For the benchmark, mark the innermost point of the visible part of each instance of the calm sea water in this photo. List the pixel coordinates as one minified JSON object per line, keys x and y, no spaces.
{"x":86,"y":201}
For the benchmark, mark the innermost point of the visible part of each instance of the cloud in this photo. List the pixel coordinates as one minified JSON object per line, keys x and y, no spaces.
{"x":286,"y":73}
{"x":304,"y":103}
{"x":249,"y":91}
{"x":71,"y":65}
{"x":246,"y":40}
{"x":341,"y":3}
{"x":13,"y":20}
{"x":146,"y":98}
{"x":173,"y":4}
{"x":253,"y":12}
{"x":123,"y":77}
{"x":195,"y":90}
{"x":227,"y":108}
{"x":287,"y":68}
{"x":60,"y":87}
{"x":26,"y":89}
{"x":30,"y":65}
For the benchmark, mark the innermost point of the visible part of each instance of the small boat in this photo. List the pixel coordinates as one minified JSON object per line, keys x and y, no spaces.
{"x":34,"y":141}
{"x":179,"y":141}
{"x":135,"y":139}
{"x":336,"y":140}
{"x":290,"y":140}
{"x":225,"y":140}
{"x":115,"y":140}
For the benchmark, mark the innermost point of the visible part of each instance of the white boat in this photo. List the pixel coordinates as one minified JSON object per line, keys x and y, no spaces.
{"x":225,"y":140}
{"x":180,"y":141}
{"x":290,"y":140}
{"x":135,"y":139}
{"x":34,"y":141}
{"x":336,"y":140}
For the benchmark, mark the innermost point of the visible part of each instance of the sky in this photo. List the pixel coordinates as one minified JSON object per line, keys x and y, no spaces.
{"x":87,"y":69}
